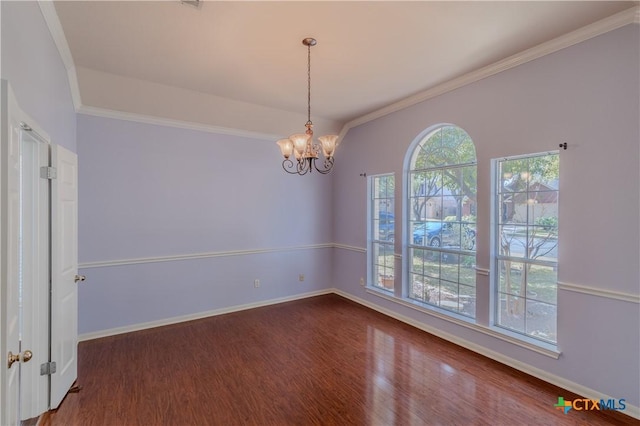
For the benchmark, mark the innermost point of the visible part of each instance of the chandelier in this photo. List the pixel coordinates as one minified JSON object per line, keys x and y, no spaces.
{"x":305,"y":151}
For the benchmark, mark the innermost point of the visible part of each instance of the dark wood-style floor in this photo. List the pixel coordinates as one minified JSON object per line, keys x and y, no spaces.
{"x":318,"y":361}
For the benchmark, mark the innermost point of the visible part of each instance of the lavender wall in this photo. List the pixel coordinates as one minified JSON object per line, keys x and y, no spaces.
{"x":149,"y":191}
{"x":33,"y":67}
{"x":586,"y":95}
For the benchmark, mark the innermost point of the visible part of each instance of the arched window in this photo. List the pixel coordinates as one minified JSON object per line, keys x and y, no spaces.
{"x":441,"y":222}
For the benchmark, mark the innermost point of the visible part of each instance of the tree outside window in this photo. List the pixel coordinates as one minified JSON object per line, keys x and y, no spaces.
{"x":527,"y":244}
{"x":441,"y":224}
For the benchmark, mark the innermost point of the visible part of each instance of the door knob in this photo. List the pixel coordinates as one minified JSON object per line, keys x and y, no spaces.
{"x":24,"y":357}
{"x":11,"y":358}
{"x":80,"y":278}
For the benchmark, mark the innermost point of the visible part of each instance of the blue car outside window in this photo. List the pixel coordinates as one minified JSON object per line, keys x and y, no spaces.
{"x":431,"y":229}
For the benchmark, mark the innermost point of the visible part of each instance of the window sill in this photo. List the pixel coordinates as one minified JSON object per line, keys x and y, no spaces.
{"x":499,"y":333}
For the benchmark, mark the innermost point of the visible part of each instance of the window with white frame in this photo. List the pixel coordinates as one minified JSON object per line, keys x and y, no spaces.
{"x":381,"y":231}
{"x":526,"y":244}
{"x":441,"y":230}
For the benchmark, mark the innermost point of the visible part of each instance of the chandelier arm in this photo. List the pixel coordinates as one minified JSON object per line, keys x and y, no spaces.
{"x":304,"y":166}
{"x":307,"y":165}
{"x":328,"y":165}
{"x":290,"y":167}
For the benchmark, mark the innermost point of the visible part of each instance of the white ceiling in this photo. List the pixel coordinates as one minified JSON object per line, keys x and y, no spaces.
{"x":369,"y":54}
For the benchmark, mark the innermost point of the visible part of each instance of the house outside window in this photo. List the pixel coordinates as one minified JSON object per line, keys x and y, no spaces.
{"x":381,"y":231}
{"x":526,"y":245}
{"x":441,"y":221}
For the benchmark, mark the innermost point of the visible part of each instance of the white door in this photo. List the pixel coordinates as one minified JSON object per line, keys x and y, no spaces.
{"x":25,"y":317}
{"x":34,"y":269}
{"x":64,"y":268}
{"x":24,"y":226}
{"x":9,"y":263}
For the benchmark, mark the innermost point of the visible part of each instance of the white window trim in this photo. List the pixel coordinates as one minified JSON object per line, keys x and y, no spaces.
{"x":522,"y":341}
{"x":493,"y":273}
{"x":406,"y":212}
{"x":371,"y":280}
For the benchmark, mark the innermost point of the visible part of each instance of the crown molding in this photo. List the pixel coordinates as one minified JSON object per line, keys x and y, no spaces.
{"x":613,"y":22}
{"x":159,"y":121}
{"x":50,"y":15}
{"x":626,"y":17}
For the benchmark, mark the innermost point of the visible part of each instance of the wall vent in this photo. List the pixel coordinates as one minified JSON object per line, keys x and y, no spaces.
{"x":194,"y":3}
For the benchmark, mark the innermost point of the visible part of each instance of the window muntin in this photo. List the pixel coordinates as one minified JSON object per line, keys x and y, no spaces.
{"x":441,"y":224}
{"x":526,"y":239}
{"x":381,"y":231}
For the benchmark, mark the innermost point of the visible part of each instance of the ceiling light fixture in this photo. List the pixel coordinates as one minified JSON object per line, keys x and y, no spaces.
{"x":306,"y":152}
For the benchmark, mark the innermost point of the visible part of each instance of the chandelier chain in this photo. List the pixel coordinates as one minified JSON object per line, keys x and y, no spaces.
{"x":302,"y":146}
{"x":309,"y":84}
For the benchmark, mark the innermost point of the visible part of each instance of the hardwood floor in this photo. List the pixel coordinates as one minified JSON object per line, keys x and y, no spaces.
{"x":318,"y":361}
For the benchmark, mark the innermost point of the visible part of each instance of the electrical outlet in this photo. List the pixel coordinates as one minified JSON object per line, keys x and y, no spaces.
{"x":256,"y":283}
{"x":301,"y":277}
{"x":362,"y":281}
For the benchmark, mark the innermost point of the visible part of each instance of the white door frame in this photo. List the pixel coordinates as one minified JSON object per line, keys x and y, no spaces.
{"x":9,"y":223}
{"x":35,"y":322}
{"x":36,"y":272}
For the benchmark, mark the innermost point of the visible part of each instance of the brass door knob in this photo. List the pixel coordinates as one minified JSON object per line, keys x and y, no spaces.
{"x":24,"y":357}
{"x":80,"y":278}
{"x":11,"y":358}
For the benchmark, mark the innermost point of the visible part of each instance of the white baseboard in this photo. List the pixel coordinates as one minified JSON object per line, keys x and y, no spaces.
{"x":561,"y":382}
{"x":184,"y":318}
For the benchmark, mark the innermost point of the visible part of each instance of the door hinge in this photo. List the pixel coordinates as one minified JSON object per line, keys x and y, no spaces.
{"x":48,"y":368}
{"x":48,"y":172}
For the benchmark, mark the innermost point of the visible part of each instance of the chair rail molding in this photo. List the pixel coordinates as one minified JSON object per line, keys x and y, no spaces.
{"x":599,"y":292}
{"x":192,"y":256}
